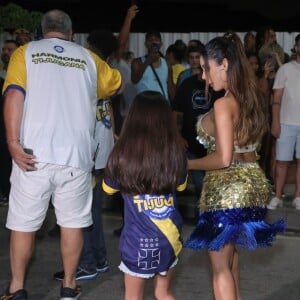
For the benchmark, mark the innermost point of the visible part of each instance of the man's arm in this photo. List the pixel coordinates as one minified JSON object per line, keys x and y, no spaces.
{"x":276,"y":106}
{"x":13,"y":112}
{"x":125,"y":30}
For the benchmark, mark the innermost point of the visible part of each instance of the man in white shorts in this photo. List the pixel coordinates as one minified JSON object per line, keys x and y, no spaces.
{"x":51,"y":90}
{"x":286,"y":125}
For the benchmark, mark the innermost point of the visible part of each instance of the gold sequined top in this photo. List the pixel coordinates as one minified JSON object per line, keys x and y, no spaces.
{"x":242,"y":184}
{"x":208,"y":141}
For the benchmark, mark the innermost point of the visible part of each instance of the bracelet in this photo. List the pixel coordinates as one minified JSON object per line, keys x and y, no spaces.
{"x":276,"y":103}
{"x":8,"y":141}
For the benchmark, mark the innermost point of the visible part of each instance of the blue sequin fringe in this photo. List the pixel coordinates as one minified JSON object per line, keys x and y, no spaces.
{"x":245,"y":227}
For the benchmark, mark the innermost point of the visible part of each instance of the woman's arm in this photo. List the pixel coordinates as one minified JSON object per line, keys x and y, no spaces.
{"x":224,"y":136}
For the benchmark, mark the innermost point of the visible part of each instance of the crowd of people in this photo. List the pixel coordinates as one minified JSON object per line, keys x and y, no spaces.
{"x":222,"y":116}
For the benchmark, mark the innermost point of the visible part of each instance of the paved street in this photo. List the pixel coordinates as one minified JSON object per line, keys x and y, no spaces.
{"x":266,"y":274}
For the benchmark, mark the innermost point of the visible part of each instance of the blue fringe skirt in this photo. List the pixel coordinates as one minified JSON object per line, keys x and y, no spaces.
{"x":233,"y":210}
{"x":244,"y":227}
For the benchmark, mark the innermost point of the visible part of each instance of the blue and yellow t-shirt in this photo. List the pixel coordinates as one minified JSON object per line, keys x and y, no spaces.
{"x":151,"y":237}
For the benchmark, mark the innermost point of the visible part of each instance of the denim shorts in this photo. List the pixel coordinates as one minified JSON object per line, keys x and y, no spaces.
{"x":288,"y":143}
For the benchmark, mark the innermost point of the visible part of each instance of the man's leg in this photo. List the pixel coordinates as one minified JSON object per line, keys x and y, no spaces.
{"x":28,"y":204}
{"x":297,"y":193}
{"x":21,"y":248}
{"x":197,"y":176}
{"x":87,"y":259}
{"x":285,"y":147}
{"x":94,"y":248}
{"x":280,"y":177}
{"x":71,"y":242}
{"x":97,"y":233}
{"x":72,"y":202}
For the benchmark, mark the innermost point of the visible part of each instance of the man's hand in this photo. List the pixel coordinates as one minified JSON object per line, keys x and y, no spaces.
{"x":21,"y":158}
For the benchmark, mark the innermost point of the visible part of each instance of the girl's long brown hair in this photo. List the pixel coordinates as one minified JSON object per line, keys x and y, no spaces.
{"x":148,"y":157}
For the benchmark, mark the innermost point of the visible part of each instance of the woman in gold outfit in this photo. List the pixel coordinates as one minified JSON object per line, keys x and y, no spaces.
{"x":235,"y":192}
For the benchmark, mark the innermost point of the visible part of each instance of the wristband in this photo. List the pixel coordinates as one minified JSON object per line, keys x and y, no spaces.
{"x":9,"y":141}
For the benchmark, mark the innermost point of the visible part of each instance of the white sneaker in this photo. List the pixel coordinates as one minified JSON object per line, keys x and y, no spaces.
{"x":276,"y":202}
{"x":296,"y":203}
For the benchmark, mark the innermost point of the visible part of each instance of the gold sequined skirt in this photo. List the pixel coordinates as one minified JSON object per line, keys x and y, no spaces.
{"x":240,"y":185}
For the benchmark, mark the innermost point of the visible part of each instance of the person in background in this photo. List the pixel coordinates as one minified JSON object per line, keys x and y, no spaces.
{"x":194,"y":42}
{"x":286,"y":125}
{"x":267,"y":46}
{"x":147,"y":165}
{"x":193,"y":55}
{"x":264,"y":77}
{"x":235,"y":189}
{"x":22,"y":36}
{"x":265,"y":74}
{"x":181,"y":47}
{"x":190,"y":101}
{"x":249,"y":42}
{"x":122,"y":102}
{"x":174,"y":57}
{"x":128,"y":56}
{"x":9,"y":46}
{"x":57,"y":80}
{"x":93,"y":259}
{"x":145,"y":68}
{"x":254,"y":62}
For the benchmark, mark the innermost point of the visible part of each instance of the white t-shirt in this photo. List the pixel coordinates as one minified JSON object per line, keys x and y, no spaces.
{"x":130,"y":90}
{"x":61,"y":82}
{"x":288,"y":78}
{"x":104,"y":137}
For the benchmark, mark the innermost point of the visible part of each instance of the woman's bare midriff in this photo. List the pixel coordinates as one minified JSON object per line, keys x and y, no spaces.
{"x":245,"y":157}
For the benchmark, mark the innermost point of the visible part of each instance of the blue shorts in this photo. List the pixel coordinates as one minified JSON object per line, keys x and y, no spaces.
{"x":288,"y":144}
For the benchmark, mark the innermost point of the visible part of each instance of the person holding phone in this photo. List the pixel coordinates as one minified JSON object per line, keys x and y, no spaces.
{"x":150,"y":72}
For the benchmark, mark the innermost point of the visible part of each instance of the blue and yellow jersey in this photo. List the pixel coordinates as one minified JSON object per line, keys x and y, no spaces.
{"x":151,"y":237}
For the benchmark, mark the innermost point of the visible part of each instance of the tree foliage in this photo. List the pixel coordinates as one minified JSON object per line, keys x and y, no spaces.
{"x":13,"y":16}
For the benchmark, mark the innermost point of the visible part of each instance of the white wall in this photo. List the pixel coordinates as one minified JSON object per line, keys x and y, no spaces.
{"x":136,"y":40}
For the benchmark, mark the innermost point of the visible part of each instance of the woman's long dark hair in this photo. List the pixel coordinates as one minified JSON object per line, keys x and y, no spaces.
{"x":148,"y":157}
{"x":242,"y":83}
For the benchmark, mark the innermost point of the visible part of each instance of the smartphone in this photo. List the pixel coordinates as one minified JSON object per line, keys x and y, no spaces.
{"x":29,"y":151}
{"x":154,"y":47}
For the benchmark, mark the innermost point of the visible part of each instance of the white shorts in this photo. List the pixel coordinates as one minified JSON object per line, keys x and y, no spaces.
{"x":124,"y":269}
{"x":288,"y":144}
{"x":70,"y":190}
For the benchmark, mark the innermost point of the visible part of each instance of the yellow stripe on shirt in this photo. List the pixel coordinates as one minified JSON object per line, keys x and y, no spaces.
{"x":167,"y":227}
{"x":107,"y":189}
